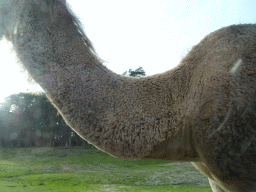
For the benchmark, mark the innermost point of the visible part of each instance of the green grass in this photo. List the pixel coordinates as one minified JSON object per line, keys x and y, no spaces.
{"x":77,"y":169}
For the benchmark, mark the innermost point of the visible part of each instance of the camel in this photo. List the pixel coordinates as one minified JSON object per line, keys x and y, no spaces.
{"x":202,"y":111}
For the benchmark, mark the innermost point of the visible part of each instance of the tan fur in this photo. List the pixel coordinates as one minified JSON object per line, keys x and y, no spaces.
{"x":202,"y":111}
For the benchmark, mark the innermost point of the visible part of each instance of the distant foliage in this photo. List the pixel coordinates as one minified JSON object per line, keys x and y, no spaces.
{"x":28,"y":120}
{"x":139,"y":72}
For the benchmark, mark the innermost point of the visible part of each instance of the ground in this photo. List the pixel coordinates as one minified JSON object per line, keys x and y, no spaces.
{"x":78,"y":169}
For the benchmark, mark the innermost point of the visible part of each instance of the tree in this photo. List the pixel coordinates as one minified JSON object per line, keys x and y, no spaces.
{"x":139,"y":72}
{"x":28,"y":120}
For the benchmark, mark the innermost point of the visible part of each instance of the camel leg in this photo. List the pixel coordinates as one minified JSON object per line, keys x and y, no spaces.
{"x":215,"y":187}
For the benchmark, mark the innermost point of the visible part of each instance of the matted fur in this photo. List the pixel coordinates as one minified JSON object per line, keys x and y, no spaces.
{"x":202,"y":111}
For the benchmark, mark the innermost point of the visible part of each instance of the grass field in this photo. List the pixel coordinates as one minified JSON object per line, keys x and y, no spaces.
{"x":78,"y":169}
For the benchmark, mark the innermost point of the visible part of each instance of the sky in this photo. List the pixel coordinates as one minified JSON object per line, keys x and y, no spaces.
{"x":153,"y":34}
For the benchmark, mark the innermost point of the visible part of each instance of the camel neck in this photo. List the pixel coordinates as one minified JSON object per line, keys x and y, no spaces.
{"x":124,"y":116}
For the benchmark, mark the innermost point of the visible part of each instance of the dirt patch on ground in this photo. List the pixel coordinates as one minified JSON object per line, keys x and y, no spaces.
{"x":165,"y":174}
{"x":185,"y":173}
{"x":175,"y":174}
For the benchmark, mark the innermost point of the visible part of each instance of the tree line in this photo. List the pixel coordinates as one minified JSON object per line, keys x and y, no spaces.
{"x":28,"y":120}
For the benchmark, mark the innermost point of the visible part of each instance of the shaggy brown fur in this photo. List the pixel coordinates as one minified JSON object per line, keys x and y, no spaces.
{"x":203,"y":111}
